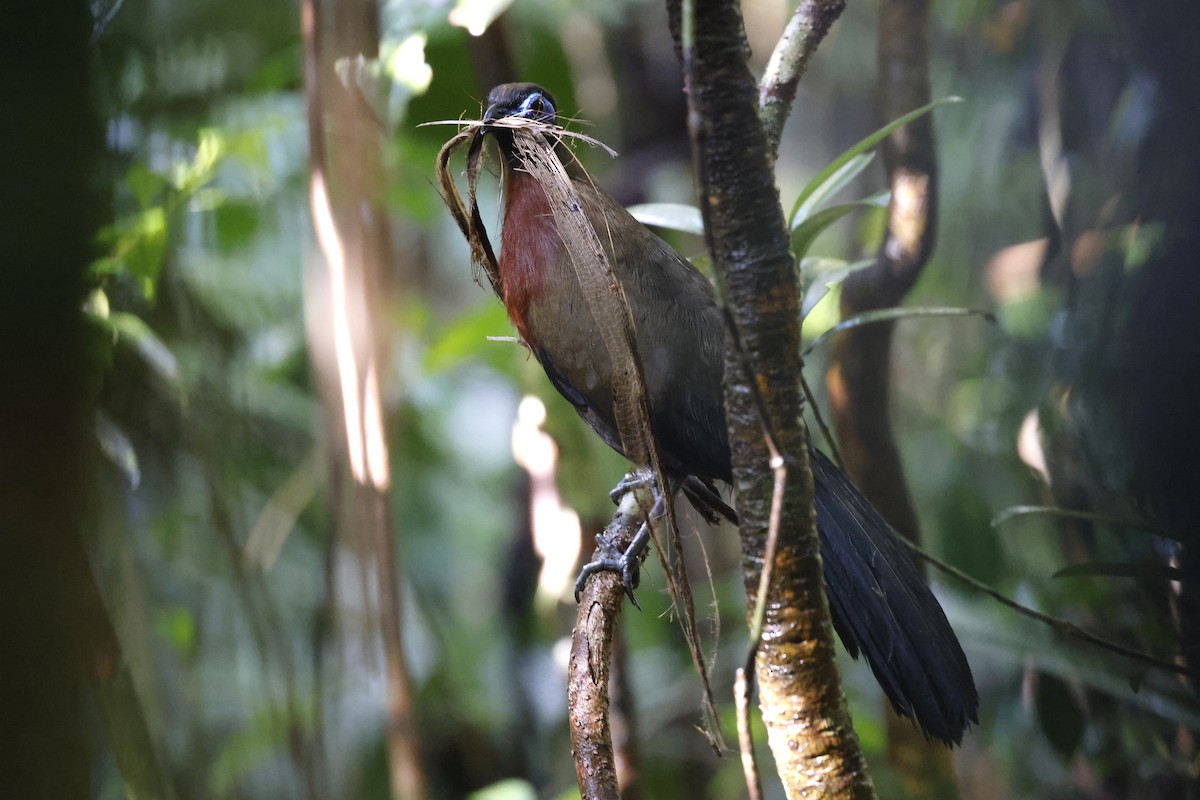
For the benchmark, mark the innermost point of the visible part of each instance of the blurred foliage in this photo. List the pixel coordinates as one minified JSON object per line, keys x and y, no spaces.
{"x":243,"y":618}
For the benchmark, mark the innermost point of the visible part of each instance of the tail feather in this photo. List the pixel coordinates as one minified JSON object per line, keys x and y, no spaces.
{"x":882,"y":608}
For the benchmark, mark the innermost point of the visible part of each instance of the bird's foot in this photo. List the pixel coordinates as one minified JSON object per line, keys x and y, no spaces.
{"x":638,"y":479}
{"x":610,"y":558}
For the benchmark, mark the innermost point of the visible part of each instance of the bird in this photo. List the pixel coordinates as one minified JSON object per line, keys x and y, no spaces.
{"x":879,"y":602}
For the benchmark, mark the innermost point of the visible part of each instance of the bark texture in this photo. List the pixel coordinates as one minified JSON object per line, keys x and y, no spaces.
{"x":815,"y":748}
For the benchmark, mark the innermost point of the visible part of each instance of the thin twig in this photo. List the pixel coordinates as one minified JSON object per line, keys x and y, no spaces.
{"x":826,"y":433}
{"x":742,"y":687}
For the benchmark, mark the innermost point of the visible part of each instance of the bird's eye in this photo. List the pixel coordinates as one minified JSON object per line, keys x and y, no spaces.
{"x":537,"y":106}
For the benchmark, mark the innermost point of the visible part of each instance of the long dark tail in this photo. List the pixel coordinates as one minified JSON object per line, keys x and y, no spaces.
{"x":882,"y":608}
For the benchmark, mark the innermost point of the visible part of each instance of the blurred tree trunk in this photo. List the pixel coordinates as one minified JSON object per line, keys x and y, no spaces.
{"x":51,"y":139}
{"x":348,"y":334}
{"x":859,"y":376}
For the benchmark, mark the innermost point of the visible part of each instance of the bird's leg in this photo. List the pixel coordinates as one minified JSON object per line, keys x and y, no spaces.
{"x":610,"y":558}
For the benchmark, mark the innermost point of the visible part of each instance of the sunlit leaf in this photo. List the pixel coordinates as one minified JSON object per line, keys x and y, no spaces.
{"x":822,"y":275}
{"x":189,"y":175}
{"x":250,"y":149}
{"x":405,"y":64}
{"x":142,"y":246}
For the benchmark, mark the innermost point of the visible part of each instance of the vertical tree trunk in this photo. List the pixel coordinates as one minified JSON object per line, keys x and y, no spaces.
{"x":815,"y":748}
{"x":348,"y":335}
{"x":859,"y":376}
{"x":50,"y":138}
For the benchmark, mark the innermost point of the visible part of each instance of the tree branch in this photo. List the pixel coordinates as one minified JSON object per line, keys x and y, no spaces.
{"x":777,"y":89}
{"x":591,"y":656}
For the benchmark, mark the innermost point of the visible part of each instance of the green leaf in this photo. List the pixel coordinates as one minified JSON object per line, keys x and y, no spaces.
{"x":145,"y":184}
{"x":1122,"y":569}
{"x":142,"y":246}
{"x":807,"y":231}
{"x":188,"y":176}
{"x":250,"y":149}
{"x":673,"y":216}
{"x":831,"y":186}
{"x":178,"y":626}
{"x":888,"y":314}
{"x":467,"y":338}
{"x":858,"y":149}
{"x":237,"y":222}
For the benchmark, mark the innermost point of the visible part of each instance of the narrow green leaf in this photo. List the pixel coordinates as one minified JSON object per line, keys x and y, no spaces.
{"x":888,"y":314}
{"x":822,"y":275}
{"x":807,"y":231}
{"x":860,"y":148}
{"x":673,"y":216}
{"x":831,"y":186}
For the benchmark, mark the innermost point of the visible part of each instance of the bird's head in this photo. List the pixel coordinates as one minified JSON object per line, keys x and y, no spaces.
{"x":515,"y":103}
{"x":523,"y":101}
